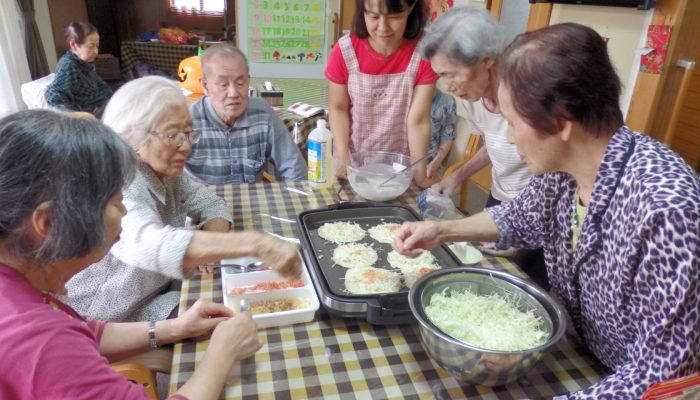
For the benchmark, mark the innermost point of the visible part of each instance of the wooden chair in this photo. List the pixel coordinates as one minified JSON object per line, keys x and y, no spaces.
{"x":267,"y":177}
{"x":142,"y":368}
{"x":471,"y":149}
{"x":140,"y":375}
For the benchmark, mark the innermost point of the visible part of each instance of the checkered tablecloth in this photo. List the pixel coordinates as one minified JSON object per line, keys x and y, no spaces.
{"x":348,"y":358}
{"x":163,"y":56}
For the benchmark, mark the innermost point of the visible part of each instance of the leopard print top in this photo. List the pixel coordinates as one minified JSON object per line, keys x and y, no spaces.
{"x":636,"y":293}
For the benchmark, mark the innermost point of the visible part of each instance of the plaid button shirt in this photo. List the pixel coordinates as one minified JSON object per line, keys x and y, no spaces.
{"x":77,"y":87}
{"x":239,"y":153}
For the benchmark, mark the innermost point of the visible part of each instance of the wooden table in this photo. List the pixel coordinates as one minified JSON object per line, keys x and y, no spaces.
{"x":348,"y":358}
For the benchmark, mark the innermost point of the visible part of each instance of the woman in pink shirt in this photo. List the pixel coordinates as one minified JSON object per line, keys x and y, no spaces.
{"x":380,"y":90}
{"x":60,"y":211}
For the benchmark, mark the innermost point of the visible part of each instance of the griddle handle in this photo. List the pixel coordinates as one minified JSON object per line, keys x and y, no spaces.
{"x":389,"y":310}
{"x":348,"y":205}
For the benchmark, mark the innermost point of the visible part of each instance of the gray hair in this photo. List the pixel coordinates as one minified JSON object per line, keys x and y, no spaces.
{"x":137,"y":107}
{"x":464,"y":35}
{"x":75,"y":164}
{"x":225,"y":50}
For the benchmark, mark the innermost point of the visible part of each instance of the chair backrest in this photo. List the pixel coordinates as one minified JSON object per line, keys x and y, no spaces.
{"x":472,"y":146}
{"x":140,"y":375}
{"x":33,"y":92}
{"x":470,"y":149}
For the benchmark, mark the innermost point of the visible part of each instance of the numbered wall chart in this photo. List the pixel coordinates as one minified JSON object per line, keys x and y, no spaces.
{"x":291,"y":32}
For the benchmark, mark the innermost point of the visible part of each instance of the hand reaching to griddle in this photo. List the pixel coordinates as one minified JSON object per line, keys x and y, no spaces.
{"x":278,"y":255}
{"x":414,"y":237}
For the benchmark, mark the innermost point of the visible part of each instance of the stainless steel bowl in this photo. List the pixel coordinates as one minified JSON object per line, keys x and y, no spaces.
{"x":368,"y":172}
{"x":471,"y":364}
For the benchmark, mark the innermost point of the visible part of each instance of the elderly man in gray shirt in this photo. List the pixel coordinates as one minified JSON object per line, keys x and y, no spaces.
{"x":239,"y":135}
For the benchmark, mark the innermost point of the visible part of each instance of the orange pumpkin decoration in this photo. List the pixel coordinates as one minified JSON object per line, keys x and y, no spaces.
{"x":189,"y":73}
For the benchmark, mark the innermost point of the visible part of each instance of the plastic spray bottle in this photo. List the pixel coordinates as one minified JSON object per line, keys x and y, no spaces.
{"x":320,"y":158}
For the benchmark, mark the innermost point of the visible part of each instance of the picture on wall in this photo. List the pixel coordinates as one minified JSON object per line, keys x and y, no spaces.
{"x":290,"y":32}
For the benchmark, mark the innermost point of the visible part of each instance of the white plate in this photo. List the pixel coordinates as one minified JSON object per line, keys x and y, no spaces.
{"x":466,"y":253}
{"x":307,"y":292}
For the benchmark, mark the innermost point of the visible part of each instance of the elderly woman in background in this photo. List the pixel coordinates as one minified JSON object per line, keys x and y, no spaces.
{"x":464,"y":47}
{"x":134,"y":282}
{"x":77,"y":87}
{"x":618,"y":214}
{"x":56,"y":221}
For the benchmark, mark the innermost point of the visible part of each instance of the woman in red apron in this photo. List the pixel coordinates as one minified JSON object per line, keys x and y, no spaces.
{"x":380,"y":90}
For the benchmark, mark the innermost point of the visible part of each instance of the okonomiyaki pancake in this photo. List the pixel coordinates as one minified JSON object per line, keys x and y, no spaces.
{"x":370,"y":280}
{"x":354,"y":255}
{"x":341,"y":232}
{"x":383,"y":233}
{"x":399,"y":261}
{"x":411,"y":273}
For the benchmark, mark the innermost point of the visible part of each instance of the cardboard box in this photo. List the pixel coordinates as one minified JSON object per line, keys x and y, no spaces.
{"x":273,"y":97}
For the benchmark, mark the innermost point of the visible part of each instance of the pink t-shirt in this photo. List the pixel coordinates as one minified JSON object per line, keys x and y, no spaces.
{"x":48,"y":351}
{"x":373,"y":63}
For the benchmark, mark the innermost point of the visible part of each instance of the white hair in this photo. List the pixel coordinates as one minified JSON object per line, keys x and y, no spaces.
{"x":136,"y":108}
{"x":223,"y":50}
{"x":464,"y":35}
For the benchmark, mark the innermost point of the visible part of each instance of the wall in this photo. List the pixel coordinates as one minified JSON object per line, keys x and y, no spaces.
{"x":471,"y":3}
{"x":514,"y":14}
{"x":147,"y":13}
{"x":62,"y":12}
{"x":626,"y":29}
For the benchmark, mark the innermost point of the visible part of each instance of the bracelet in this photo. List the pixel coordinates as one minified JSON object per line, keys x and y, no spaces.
{"x":152,"y":335}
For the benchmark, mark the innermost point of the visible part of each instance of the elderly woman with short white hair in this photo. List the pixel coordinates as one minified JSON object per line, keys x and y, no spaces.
{"x":464,"y":47}
{"x":138,"y":279}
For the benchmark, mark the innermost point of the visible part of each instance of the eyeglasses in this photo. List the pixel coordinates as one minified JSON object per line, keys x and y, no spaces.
{"x":176,"y":140}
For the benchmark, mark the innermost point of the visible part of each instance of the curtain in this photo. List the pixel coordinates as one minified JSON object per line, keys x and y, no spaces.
{"x":126,"y":18}
{"x":14,"y":68}
{"x":32,"y":41}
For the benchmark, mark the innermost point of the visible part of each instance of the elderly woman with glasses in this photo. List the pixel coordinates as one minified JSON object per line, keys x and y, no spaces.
{"x":138,"y":280}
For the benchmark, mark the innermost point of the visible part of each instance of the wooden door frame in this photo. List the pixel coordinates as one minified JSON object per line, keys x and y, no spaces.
{"x":647,"y":93}
{"x":540,"y":14}
{"x":494,"y":7}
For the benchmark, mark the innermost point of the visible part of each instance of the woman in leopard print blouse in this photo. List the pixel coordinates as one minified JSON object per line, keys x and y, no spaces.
{"x":617,"y":213}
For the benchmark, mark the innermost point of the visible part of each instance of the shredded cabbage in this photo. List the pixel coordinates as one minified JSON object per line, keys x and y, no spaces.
{"x":489,"y":322}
